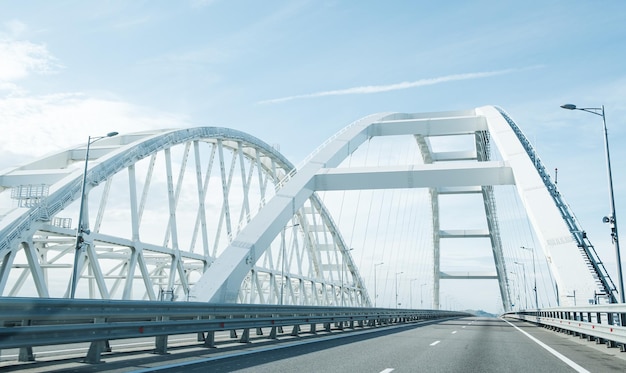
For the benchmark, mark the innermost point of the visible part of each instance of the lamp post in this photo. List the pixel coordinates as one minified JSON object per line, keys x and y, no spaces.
{"x":80,"y":229}
{"x":612,"y":219}
{"x":422,"y":295}
{"x":375,"y":288}
{"x":534,"y":275}
{"x":514,"y":297}
{"x":397,"y":273}
{"x":525,"y":285}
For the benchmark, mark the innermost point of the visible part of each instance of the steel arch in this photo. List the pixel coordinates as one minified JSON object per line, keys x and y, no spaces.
{"x":492,"y":128}
{"x":35,"y":232}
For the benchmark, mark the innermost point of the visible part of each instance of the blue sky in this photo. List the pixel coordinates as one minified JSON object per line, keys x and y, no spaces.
{"x":294,"y":72}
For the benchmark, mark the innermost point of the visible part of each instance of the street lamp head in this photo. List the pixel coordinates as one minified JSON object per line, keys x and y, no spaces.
{"x":111,"y":134}
{"x":569,"y":106}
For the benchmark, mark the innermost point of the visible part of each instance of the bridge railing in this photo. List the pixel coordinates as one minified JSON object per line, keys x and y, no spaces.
{"x":29,"y":322}
{"x":598,"y":323}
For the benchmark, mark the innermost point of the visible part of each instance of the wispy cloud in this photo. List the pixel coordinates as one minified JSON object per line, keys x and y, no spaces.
{"x":56,"y":121}
{"x":396,"y":86}
{"x":22,"y":58}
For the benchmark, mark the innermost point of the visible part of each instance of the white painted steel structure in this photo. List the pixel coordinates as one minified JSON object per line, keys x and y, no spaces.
{"x":161,"y":207}
{"x":451,"y":172}
{"x":188,"y":224}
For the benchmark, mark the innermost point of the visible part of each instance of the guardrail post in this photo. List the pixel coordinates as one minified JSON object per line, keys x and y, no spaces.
{"x":94,"y":354}
{"x":273,"y":333}
{"x":26,"y":353}
{"x":160,"y":344}
{"x":209,"y":340}
{"x":160,"y":341}
{"x":313,"y":328}
{"x":245,"y":336}
{"x":295,"y":330}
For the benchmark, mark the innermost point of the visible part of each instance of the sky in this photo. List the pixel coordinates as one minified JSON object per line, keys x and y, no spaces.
{"x":293,"y":73}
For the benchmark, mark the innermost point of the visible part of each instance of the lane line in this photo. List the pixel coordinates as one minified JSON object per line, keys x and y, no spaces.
{"x":561,"y":357}
{"x":454,"y":332}
{"x":388,"y":370}
{"x":279,"y":347}
{"x":435,"y":343}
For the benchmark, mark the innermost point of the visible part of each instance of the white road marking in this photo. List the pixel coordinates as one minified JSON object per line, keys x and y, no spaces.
{"x":463,"y":327}
{"x":564,"y":359}
{"x":454,"y":332}
{"x":388,"y":370}
{"x":435,"y":343}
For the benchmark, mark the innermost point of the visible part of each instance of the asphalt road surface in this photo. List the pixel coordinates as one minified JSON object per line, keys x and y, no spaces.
{"x":459,"y":345}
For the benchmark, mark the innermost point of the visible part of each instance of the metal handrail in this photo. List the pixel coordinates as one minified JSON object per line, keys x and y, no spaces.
{"x":28,"y":322}
{"x":603,"y":323}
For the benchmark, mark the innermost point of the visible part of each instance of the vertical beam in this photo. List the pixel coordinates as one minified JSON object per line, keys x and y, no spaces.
{"x":134,"y":223}
{"x":173,"y":232}
{"x":434,"y":202}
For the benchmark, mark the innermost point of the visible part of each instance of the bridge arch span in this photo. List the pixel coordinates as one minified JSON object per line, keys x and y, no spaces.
{"x":569,"y":256}
{"x":161,"y":206}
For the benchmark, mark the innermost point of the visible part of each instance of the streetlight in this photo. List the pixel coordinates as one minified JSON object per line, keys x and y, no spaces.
{"x":343,"y":254}
{"x":525,"y":286}
{"x":422,"y":295}
{"x":534,"y":275}
{"x":612,"y":219}
{"x":514,"y":297}
{"x":375,"y":288}
{"x":80,"y":229}
{"x":397,"y":273}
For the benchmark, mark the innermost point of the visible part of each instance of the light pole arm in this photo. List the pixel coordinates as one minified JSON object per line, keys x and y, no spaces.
{"x":79,"y":228}
{"x":613,"y":217}
{"x":81,"y":211}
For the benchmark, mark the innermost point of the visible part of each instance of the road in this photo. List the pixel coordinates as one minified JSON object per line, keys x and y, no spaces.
{"x":460,"y":345}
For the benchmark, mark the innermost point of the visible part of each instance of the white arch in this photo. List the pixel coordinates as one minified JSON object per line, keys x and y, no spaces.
{"x":221,"y":282}
{"x":33,"y":231}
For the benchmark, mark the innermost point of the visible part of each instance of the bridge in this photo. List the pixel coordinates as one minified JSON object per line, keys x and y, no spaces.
{"x":208,"y":215}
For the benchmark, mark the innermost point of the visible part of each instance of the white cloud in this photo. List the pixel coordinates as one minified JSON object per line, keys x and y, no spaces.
{"x":33,"y":125}
{"x":15,"y":28}
{"x":20,"y":58}
{"x":396,"y":86}
{"x":37,"y":125}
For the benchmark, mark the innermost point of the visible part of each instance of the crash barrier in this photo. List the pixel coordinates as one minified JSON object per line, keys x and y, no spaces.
{"x":597,"y":323}
{"x":30,"y":322}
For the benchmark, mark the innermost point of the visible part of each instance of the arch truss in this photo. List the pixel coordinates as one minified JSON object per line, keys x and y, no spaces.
{"x":160,"y":208}
{"x":214,"y":214}
{"x":571,"y":258}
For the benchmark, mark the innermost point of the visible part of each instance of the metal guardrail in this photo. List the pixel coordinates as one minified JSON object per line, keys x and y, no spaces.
{"x":29,"y":322}
{"x":599,"y":323}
